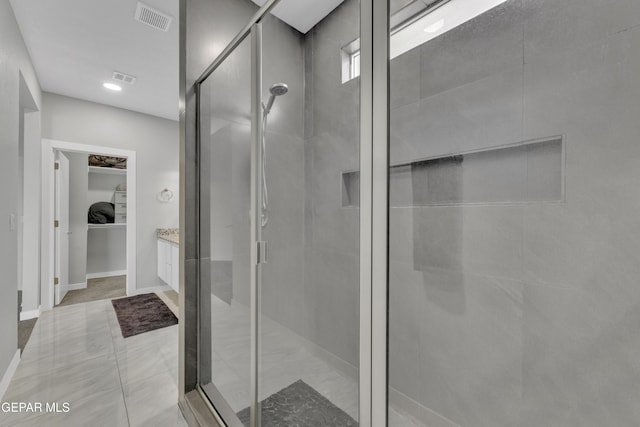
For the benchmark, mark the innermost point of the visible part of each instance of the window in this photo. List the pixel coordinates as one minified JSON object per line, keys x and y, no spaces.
{"x":350,"y":61}
{"x":354,"y":64}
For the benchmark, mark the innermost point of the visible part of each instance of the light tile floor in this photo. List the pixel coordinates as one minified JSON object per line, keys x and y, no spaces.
{"x":286,"y":358}
{"x":77,"y":354}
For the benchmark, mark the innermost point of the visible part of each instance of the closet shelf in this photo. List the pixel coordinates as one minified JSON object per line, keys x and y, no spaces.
{"x":107,"y":171}
{"x":107,"y":226}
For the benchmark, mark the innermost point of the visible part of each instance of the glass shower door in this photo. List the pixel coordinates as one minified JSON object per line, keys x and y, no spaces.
{"x":309,"y":292}
{"x":225,"y":145}
{"x":279,"y":234}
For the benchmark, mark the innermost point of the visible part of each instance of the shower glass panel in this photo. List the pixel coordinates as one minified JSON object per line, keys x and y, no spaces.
{"x":514,"y":163}
{"x":225,"y":241}
{"x":309,"y":296}
{"x":279,"y":284}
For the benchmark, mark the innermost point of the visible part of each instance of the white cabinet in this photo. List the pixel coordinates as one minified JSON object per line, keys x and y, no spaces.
{"x":169,"y":263}
{"x":175,"y":268}
{"x":162,"y":260}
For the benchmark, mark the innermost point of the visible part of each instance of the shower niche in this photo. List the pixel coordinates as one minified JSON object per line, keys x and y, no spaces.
{"x":526,"y":172}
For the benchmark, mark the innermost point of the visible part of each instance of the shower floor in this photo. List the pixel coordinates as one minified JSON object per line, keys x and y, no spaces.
{"x":286,"y":358}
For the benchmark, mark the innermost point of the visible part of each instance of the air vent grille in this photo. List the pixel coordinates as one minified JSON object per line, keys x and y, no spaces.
{"x":153,"y":17}
{"x":123,"y":78}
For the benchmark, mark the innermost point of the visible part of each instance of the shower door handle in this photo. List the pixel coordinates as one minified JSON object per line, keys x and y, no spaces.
{"x":261,"y":250}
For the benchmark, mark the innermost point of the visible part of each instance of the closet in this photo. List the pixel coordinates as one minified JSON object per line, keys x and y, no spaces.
{"x":106,"y":241}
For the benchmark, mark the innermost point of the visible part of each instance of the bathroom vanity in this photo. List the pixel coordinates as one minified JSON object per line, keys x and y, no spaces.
{"x":168,"y":256}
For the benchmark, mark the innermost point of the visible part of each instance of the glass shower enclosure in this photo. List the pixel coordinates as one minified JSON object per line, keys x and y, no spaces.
{"x":279,"y":244}
{"x":422,"y":213}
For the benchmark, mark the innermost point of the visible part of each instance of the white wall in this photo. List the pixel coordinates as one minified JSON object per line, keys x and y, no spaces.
{"x":14,"y":59}
{"x":78,"y":184}
{"x":31,"y":208}
{"x":156,"y":143}
{"x":105,"y":248}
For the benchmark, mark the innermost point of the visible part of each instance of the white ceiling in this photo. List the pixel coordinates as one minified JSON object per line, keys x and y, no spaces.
{"x":302,"y":15}
{"x":76,"y":45}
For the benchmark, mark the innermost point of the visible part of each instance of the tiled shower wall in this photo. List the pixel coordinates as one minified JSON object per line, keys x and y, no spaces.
{"x":282,"y":276}
{"x":331,"y":147}
{"x":523,"y":313}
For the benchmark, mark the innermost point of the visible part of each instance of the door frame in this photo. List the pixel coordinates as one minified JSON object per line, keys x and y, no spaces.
{"x":49,"y":147}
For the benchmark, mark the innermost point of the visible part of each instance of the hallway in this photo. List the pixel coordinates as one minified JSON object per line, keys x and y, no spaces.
{"x":77,"y":354}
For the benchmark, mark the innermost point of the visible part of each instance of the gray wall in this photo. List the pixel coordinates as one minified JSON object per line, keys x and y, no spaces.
{"x":522,"y":314}
{"x":155,"y":141}
{"x":283,"y":296}
{"x":78,"y":184}
{"x":14,"y":59}
{"x":331,"y":146}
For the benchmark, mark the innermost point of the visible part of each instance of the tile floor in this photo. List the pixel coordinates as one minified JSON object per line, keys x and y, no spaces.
{"x":286,"y":358}
{"x":25,"y":327}
{"x":98,"y":289}
{"x":77,"y":354}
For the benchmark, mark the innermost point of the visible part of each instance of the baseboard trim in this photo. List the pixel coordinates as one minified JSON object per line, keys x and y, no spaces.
{"x":8,"y":374}
{"x":30,"y":314}
{"x":64,"y":289}
{"x":174,"y":308}
{"x":106,"y":274}
{"x":76,"y":286}
{"x":150,"y":290}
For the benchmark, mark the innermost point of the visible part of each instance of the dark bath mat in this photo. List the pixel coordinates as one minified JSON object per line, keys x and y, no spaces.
{"x":142,"y":313}
{"x":299,"y":405}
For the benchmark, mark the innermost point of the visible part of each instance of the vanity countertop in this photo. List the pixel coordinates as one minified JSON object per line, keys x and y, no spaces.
{"x":171,"y":235}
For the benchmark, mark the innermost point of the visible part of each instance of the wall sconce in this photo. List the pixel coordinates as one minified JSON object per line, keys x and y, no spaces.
{"x":165,"y":196}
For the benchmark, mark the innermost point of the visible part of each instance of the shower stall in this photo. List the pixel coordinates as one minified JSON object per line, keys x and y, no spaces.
{"x":413,"y":212}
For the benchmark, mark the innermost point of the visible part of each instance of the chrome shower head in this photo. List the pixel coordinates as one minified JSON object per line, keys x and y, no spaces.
{"x":277,"y":89}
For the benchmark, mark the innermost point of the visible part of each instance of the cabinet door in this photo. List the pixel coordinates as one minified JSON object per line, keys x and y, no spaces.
{"x":175,"y":268}
{"x":162,"y":260}
{"x":167,"y":259}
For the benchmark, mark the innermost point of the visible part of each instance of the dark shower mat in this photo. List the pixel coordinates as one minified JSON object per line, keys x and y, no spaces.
{"x":142,"y":313}
{"x":299,"y":405}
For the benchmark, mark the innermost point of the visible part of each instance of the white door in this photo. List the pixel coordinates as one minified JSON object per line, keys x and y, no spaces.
{"x":62,"y":230}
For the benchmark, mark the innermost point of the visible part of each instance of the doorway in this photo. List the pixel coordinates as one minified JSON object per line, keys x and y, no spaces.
{"x":88,"y":259}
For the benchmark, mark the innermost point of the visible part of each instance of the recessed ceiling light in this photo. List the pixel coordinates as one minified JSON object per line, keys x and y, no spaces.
{"x":435,"y":27}
{"x":112,"y":86}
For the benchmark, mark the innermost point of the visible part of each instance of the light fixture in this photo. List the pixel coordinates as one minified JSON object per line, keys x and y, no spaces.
{"x":436,"y":22}
{"x":435,"y":27}
{"x":112,"y":86}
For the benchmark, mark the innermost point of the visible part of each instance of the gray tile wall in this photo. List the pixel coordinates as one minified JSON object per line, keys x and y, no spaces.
{"x":228,"y":99}
{"x":331,"y":147}
{"x":521,"y":315}
{"x":283,"y":275}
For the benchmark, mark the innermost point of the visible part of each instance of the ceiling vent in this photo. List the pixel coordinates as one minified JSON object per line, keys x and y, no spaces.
{"x":153,"y":17}
{"x":123,"y":78}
